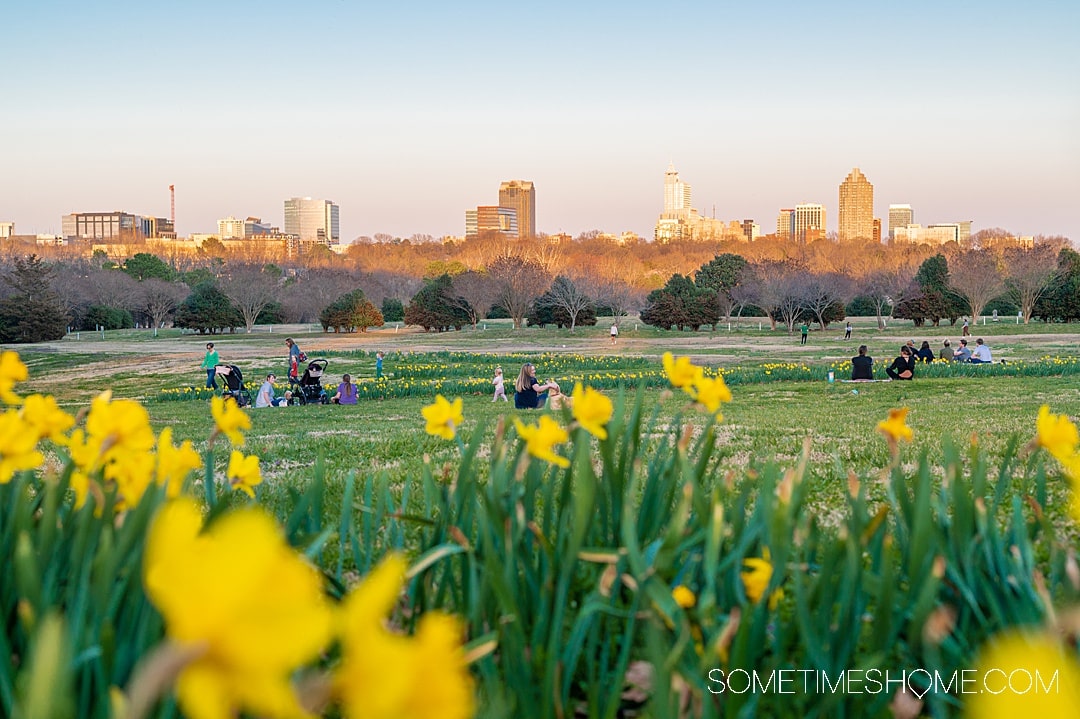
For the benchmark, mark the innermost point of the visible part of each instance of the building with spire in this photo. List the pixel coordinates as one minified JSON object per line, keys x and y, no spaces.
{"x":856,"y":220}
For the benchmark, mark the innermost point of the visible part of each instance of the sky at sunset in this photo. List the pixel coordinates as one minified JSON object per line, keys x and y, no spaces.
{"x":408,"y":113}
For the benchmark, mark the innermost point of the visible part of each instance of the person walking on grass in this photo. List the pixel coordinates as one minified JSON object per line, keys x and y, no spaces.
{"x":500,"y":389}
{"x":294,"y":358}
{"x":805,"y":329}
{"x":210,"y":363}
{"x":614,"y":332}
{"x":847,"y":331}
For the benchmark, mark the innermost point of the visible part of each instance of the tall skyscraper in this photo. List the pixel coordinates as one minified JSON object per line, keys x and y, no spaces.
{"x":809,"y":222}
{"x":899,"y":216}
{"x":676,"y":192}
{"x":520,"y":196}
{"x":312,"y":220}
{"x":856,"y":208}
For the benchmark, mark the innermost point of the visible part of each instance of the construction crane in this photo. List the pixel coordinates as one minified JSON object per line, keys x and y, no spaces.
{"x":172,"y":206}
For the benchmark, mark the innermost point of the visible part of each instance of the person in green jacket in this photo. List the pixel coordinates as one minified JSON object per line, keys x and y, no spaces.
{"x":209,"y":363}
{"x":805,"y":331}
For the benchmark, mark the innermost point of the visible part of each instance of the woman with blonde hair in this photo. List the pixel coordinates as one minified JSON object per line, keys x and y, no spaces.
{"x":528,"y":392}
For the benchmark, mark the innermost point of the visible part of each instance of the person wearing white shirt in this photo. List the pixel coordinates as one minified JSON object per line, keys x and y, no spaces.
{"x":981,"y":355}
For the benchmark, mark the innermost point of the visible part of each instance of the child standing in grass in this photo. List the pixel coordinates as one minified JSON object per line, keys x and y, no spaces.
{"x":378,"y":365}
{"x":500,"y":391}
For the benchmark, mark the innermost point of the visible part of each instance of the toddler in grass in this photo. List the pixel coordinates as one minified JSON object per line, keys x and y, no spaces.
{"x":498,"y":382}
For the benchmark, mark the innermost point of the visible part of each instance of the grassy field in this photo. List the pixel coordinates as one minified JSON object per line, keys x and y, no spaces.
{"x":766,"y":422}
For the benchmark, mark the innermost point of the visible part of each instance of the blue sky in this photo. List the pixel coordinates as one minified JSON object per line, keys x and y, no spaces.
{"x":406,"y":114}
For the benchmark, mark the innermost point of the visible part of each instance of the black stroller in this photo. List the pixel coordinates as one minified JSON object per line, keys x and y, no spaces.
{"x":233,"y":384}
{"x":308,"y":389}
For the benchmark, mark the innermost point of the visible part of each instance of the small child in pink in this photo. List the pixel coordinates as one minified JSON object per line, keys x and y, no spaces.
{"x":498,"y":382}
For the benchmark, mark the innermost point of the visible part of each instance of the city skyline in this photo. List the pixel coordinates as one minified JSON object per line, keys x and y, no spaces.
{"x":985,"y":131}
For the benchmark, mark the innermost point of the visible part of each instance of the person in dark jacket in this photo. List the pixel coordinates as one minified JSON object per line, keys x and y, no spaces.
{"x":925,"y":354}
{"x":862,"y":366}
{"x":903,"y":367}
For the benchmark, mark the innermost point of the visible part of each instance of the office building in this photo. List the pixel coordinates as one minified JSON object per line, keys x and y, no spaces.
{"x":115,"y":227}
{"x":7,"y":229}
{"x":785,"y":224}
{"x":856,"y":216}
{"x":750,"y":230}
{"x":899,"y":216}
{"x":233,"y":228}
{"x":520,"y":196}
{"x":877,"y":231}
{"x":809,"y":222}
{"x":676,"y":192}
{"x":312,"y":220}
{"x":491,"y":218}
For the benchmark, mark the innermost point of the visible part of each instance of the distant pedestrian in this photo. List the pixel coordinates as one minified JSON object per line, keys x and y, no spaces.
{"x":378,"y":365}
{"x":847,"y":331}
{"x":967,"y":330}
{"x":500,"y":390}
{"x":805,"y":329}
{"x":209,"y":363}
{"x":614,"y":332}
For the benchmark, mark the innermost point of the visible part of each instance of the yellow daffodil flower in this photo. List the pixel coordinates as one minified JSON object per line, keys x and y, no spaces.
{"x":894,"y":428}
{"x":684,"y":597}
{"x":43,"y":414}
{"x":443,"y":417}
{"x":1057,"y":434}
{"x":756,"y":574}
{"x":592,"y":410}
{"x":681,"y":372}
{"x":710,"y":392}
{"x":244,"y":472}
{"x":12,"y":370}
{"x":229,"y":419}
{"x":247,"y":599}
{"x":384,"y":675}
{"x":1025,"y":654}
{"x":540,"y":439}
{"x":174,"y":464}
{"x":18,"y":446}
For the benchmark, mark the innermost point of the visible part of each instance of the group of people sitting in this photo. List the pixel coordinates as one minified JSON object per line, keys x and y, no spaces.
{"x":346,"y":393}
{"x":529,"y":393}
{"x":903,"y":367}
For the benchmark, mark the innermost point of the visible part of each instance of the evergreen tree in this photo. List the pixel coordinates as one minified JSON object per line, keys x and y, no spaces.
{"x":436,"y":307}
{"x":208,"y":311}
{"x":33,"y":312}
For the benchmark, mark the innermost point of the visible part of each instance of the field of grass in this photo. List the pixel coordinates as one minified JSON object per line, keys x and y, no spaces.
{"x":780,"y":392}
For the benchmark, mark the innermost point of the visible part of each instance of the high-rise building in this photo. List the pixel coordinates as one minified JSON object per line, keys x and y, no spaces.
{"x":312,"y":220}
{"x":676,"y":192}
{"x":491,"y":218}
{"x":750,"y":230}
{"x":856,"y":208}
{"x":899,"y":216}
{"x":520,"y":196}
{"x":229,"y":228}
{"x":7,"y":229}
{"x":877,"y":231}
{"x":233,"y":228}
{"x":785,"y":224}
{"x":809,"y":222}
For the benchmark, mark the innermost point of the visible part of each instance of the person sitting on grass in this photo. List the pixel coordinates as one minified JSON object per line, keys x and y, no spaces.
{"x":528,"y":392}
{"x":925,"y":354}
{"x":962,"y":353}
{"x":346,"y":391}
{"x":903,"y":367}
{"x":266,"y":397}
{"x":945,"y":354}
{"x":862,"y":366}
{"x":981,"y":355}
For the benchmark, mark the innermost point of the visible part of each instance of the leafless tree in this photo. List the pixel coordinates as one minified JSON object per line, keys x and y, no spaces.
{"x":821,"y":290}
{"x":885,"y":287}
{"x":518,"y":282}
{"x":774,"y":289}
{"x":250,"y":289}
{"x":1029,"y":273}
{"x":476,"y":292}
{"x":976,"y":276}
{"x":567,"y":296}
{"x":158,"y":298}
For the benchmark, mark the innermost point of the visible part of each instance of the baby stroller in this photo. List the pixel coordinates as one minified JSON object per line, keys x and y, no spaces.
{"x":233,"y":384}
{"x":308,"y":389}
